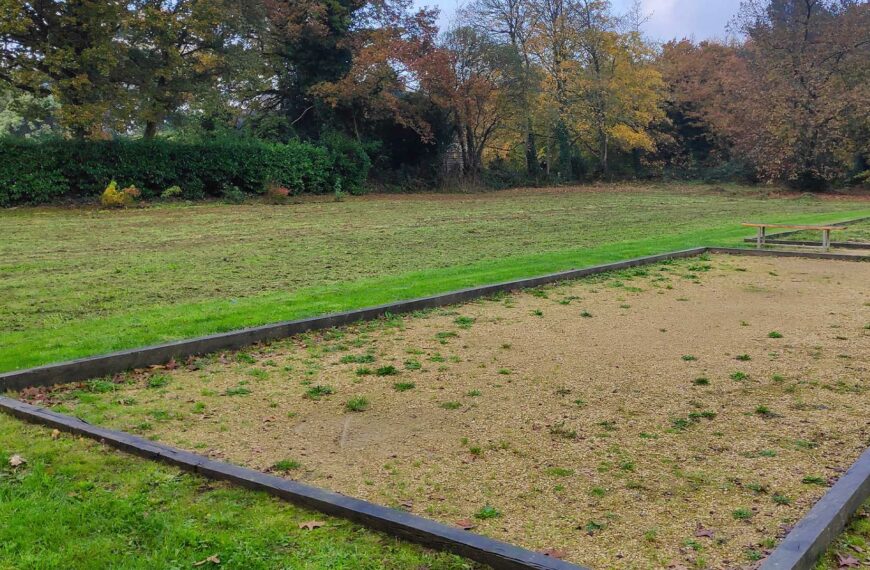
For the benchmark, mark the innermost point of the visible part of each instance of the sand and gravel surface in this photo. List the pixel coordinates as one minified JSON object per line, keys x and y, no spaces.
{"x":682,"y":414}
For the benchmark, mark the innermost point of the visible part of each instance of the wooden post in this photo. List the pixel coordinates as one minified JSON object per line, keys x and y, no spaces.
{"x":760,"y":238}
{"x":826,"y":239}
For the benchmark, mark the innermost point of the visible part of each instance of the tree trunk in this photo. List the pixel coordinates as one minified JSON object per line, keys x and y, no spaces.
{"x":150,"y":129}
{"x":532,"y":165}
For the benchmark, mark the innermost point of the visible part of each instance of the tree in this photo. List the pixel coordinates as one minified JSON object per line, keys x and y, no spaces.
{"x":181,"y":48}
{"x":394,"y":54}
{"x":810,"y":74}
{"x":307,"y":43}
{"x":512,"y":22}
{"x":480,"y":82}
{"x":620,"y":89}
{"x":68,"y":49}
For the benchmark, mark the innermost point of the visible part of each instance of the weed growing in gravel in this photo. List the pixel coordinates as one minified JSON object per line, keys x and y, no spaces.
{"x":237,"y":391}
{"x":701,"y":381}
{"x":742,"y":514}
{"x":388,"y":370}
{"x":593,"y":527}
{"x":743,"y":357}
{"x":287,"y":465}
{"x":317,"y":392}
{"x":357,"y":359}
{"x":586,"y":314}
{"x":413,"y":364}
{"x":689,"y":357}
{"x":451,"y":405}
{"x":487,"y":512}
{"x":357,"y":404}
{"x":774,"y":334}
{"x":559,"y":472}
{"x":781,"y":499}
{"x":403,"y":386}
{"x":464,"y":322}
{"x":814,"y":480}
{"x":560,"y":430}
{"x":158,"y":381}
{"x":738,"y":376}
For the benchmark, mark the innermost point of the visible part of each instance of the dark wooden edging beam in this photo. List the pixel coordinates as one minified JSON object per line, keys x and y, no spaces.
{"x":815,"y":532}
{"x":834,"y":244}
{"x":779,"y":253}
{"x":499,"y":555}
{"x":113,"y":363}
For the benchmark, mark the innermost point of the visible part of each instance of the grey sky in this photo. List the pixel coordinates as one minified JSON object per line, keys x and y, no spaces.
{"x":698,"y":19}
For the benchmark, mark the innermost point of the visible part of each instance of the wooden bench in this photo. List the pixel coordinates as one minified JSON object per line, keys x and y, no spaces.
{"x":826,"y":231}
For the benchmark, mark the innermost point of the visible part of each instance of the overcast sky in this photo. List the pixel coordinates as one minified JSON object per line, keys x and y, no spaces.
{"x":698,"y":19}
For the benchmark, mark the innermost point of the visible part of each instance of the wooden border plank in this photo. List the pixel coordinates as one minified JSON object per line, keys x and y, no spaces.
{"x":113,"y":363}
{"x":815,"y":532}
{"x":778,"y":253}
{"x":834,"y":244}
{"x":499,"y":555}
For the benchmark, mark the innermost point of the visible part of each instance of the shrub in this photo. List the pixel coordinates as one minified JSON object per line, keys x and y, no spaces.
{"x":47,"y":170}
{"x":276,"y":194}
{"x":171,"y":192}
{"x":113,"y":198}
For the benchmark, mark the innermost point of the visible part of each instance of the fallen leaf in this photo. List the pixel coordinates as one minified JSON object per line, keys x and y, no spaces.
{"x":311,"y":525}
{"x":17,"y":460}
{"x":554,"y":553}
{"x":55,"y":434}
{"x":700,"y":531}
{"x":172,"y":364}
{"x":847,"y":561}
{"x":213,"y":559}
{"x":465,"y":524}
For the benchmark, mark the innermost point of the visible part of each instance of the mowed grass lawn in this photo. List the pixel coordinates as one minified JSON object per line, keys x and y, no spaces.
{"x":79,"y":282}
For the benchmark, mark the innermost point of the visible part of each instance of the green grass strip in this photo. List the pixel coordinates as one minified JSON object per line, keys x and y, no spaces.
{"x":87,"y":337}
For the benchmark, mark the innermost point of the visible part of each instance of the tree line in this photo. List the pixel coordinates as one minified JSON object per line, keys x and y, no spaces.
{"x":514,"y":91}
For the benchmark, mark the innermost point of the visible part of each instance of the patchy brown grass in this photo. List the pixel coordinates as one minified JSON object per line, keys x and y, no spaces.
{"x":577,"y":412}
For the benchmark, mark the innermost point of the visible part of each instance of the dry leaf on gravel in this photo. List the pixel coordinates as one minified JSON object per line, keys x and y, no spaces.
{"x":465,"y":524}
{"x":847,"y":561}
{"x":700,"y":532}
{"x":554,"y":553}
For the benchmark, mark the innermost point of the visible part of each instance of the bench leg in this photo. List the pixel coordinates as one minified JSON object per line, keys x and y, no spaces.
{"x":759,"y":240}
{"x":826,"y":240}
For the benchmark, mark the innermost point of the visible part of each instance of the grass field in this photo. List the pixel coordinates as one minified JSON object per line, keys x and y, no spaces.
{"x":77,"y":282}
{"x":76,"y":504}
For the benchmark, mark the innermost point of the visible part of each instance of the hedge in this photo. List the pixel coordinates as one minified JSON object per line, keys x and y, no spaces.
{"x":43,"y":171}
